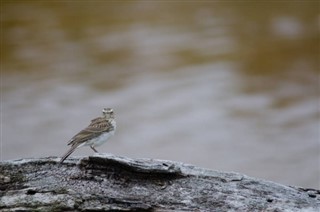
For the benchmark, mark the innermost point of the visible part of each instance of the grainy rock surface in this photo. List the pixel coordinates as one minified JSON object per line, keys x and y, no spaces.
{"x":108,"y":182}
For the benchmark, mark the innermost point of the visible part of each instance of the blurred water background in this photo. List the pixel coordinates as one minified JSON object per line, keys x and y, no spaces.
{"x":230,"y":86}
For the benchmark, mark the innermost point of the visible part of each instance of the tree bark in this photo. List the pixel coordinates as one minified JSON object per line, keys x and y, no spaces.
{"x":106,"y":182}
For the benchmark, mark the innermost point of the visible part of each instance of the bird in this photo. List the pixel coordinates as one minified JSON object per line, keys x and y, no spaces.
{"x":95,"y":134}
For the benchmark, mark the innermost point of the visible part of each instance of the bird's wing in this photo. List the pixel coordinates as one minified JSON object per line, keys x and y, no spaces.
{"x":95,"y":128}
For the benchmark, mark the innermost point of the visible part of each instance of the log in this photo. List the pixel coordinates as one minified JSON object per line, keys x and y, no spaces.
{"x":106,"y":182}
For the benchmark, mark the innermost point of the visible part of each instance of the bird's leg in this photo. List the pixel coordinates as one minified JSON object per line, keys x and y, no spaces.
{"x":94,"y":149}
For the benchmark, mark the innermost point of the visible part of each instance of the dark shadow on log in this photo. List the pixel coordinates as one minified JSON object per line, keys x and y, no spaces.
{"x":112,"y":183}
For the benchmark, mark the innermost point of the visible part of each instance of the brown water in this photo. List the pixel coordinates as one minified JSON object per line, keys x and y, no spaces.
{"x":228,"y":86}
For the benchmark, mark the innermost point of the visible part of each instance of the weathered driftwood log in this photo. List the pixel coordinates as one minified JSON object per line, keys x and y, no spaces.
{"x":107,"y":182}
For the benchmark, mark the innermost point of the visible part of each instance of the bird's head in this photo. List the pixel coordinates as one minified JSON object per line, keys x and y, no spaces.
{"x":108,"y":113}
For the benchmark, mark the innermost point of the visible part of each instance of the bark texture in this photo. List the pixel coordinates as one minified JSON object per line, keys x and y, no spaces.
{"x":106,"y":182}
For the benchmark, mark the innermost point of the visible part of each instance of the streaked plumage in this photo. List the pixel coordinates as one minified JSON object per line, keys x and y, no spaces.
{"x":98,"y":132}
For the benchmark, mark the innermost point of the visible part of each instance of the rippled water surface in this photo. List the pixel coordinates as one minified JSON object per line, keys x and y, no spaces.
{"x":228,"y":86}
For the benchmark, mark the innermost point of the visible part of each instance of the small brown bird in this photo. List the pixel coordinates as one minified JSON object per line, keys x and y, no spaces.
{"x":98,"y":132}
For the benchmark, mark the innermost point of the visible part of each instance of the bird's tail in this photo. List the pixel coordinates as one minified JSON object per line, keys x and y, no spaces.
{"x":68,"y":153}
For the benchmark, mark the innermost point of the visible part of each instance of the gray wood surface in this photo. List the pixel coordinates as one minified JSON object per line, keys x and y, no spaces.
{"x":106,"y":182}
